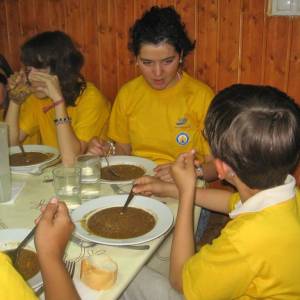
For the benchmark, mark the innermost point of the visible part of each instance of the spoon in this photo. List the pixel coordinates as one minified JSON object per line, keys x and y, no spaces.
{"x":14,"y":254}
{"x":111,"y":170}
{"x":129,"y":198}
{"x":23,"y":152}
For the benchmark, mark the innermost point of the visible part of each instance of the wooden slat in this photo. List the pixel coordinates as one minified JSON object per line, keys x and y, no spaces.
{"x":42,"y":15}
{"x":89,"y":42}
{"x":207,"y":41}
{"x":3,"y":31}
{"x":14,"y":32}
{"x":228,"y":50}
{"x":126,"y":62}
{"x":188,"y":16}
{"x":252,"y":44}
{"x":294,"y":65}
{"x":277,"y":40}
{"x":56,"y":15}
{"x":107,"y":48}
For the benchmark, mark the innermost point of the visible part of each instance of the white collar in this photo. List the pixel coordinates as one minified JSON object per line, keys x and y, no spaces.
{"x":266,"y":198}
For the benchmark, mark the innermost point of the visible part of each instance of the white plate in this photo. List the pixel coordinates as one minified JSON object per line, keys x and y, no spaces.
{"x":9,"y":239}
{"x":162,"y":214}
{"x":33,"y":148}
{"x":144,"y":163}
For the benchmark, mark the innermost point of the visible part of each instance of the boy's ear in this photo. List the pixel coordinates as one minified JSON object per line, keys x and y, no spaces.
{"x":222,"y":169}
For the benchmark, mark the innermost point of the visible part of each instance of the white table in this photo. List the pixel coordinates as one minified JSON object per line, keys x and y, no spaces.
{"x":26,"y":208}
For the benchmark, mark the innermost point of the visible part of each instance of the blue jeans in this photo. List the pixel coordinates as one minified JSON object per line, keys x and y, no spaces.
{"x":202,"y":224}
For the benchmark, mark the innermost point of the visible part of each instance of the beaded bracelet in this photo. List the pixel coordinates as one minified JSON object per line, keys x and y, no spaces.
{"x":65,"y":120}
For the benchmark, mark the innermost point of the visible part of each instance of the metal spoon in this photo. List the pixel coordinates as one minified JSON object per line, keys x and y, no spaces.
{"x":129,"y":198}
{"x":24,"y":153}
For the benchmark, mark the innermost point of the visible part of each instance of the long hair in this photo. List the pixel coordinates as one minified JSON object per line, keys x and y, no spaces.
{"x":256,"y":131}
{"x":56,"y":50}
{"x":6,"y":72}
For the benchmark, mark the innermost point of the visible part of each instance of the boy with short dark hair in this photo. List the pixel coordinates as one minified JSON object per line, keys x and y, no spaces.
{"x":254,"y":135}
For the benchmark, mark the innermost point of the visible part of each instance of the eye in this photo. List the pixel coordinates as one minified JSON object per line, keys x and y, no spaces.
{"x":168,"y":61}
{"x":147,"y":62}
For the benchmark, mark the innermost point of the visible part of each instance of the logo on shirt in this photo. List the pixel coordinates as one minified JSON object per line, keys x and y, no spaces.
{"x":182,"y":138}
{"x":181,"y":122}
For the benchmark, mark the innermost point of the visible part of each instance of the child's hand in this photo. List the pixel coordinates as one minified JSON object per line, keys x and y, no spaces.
{"x":148,"y":185}
{"x":163,"y":172}
{"x":98,"y":147}
{"x":183,"y":172}
{"x":54,"y":228}
{"x":46,"y":83}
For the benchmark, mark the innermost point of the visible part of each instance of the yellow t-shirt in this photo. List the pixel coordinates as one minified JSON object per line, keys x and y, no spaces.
{"x":30,"y":140}
{"x":255,"y":257}
{"x":12,"y":285}
{"x":160,"y":125}
{"x":89,"y":115}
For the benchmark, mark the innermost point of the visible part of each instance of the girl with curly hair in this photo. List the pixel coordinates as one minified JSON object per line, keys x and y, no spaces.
{"x":51,"y":97}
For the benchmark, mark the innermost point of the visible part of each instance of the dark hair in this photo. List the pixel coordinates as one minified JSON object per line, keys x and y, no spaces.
{"x":56,"y":50}
{"x":256,"y":131}
{"x":160,"y":25}
{"x":7,"y":71}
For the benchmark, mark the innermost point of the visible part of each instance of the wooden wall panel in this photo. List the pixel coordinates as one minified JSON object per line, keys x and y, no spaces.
{"x":253,"y":42}
{"x":228,"y":49}
{"x":207,"y":42}
{"x":235,"y":39}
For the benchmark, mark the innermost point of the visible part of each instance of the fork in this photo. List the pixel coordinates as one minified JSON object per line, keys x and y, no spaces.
{"x":70,"y":266}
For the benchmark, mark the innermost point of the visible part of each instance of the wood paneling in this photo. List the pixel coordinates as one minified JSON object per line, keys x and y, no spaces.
{"x":235,"y":40}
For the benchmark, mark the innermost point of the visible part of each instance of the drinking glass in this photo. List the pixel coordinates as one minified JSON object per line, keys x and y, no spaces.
{"x":5,"y":178}
{"x":66,"y":181}
{"x":90,"y":166}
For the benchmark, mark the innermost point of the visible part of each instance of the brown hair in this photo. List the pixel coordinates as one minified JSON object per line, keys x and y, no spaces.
{"x":255,"y":130}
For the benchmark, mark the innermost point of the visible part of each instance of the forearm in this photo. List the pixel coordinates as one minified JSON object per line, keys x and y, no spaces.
{"x":209,"y":171}
{"x":56,"y":278}
{"x":183,"y":244}
{"x":12,"y":119}
{"x":213,"y":199}
{"x":122,"y":149}
{"x":69,"y":145}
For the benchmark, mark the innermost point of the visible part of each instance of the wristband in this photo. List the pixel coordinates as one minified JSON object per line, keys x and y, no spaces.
{"x":60,"y":121}
{"x":53,"y":104}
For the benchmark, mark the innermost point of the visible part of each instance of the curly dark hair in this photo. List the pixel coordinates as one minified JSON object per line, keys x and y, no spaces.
{"x":256,"y":131}
{"x":55,"y":49}
{"x":160,"y":25}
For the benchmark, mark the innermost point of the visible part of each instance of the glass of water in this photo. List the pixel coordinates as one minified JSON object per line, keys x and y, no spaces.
{"x":66,"y":181}
{"x":90,"y":166}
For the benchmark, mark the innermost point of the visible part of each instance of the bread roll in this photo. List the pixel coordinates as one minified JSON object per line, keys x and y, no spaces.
{"x":98,"y":272}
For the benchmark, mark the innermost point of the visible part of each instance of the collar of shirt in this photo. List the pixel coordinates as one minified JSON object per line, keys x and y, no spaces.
{"x":266,"y":198}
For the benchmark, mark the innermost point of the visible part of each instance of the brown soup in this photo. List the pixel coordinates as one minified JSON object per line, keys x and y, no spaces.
{"x":111,"y":223}
{"x":125,"y":172}
{"x":30,"y":158}
{"x":27,"y":264}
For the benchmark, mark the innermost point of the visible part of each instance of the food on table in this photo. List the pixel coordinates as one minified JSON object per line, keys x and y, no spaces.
{"x":98,"y":272}
{"x":30,"y":158}
{"x":112,"y":223}
{"x":125,"y":172}
{"x":27,"y":264}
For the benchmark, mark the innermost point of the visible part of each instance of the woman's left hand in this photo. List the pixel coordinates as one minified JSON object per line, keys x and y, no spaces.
{"x":45,"y":83}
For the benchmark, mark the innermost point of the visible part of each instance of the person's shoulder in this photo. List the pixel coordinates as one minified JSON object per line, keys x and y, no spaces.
{"x":92,"y":93}
{"x":132,"y":84}
{"x":197,"y":85}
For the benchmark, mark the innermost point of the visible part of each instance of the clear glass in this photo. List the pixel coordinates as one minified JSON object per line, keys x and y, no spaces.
{"x":5,"y":177}
{"x":90,"y":166}
{"x":66,"y":181}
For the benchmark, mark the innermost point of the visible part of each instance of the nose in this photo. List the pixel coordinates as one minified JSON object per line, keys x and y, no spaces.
{"x":157,"y":69}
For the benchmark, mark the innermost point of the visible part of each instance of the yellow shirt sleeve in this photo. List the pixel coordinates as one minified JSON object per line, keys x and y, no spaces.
{"x":118,"y":122}
{"x":12,"y":285}
{"x":215,"y":272}
{"x":90,"y":115}
{"x":234,"y":199}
